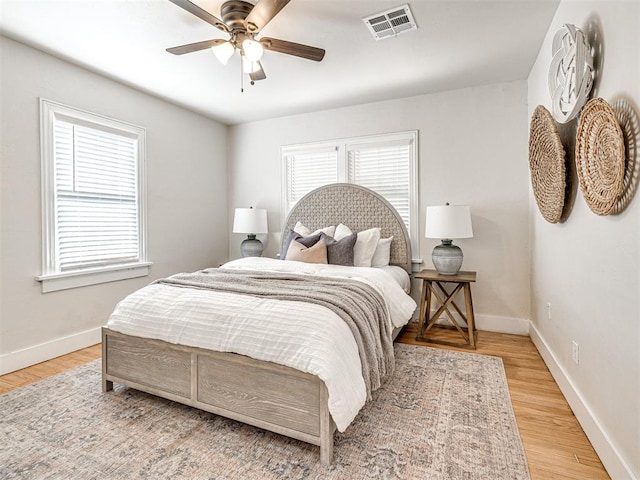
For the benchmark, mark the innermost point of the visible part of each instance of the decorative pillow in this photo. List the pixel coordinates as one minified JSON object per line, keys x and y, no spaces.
{"x":365,"y":247}
{"x":383,"y":253}
{"x":314,"y":254}
{"x":342,"y":231}
{"x":340,"y":252}
{"x":305,"y":232}
{"x":311,"y":240}
{"x":285,"y":246}
{"x":306,"y":241}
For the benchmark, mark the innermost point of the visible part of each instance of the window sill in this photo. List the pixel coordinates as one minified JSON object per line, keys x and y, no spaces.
{"x":82,"y":278}
{"x":416,"y":264}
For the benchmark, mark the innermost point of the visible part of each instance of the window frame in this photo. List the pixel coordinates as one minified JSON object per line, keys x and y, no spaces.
{"x":52,"y":277}
{"x":342,"y":147}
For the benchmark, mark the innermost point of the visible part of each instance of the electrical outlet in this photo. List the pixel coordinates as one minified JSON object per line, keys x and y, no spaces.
{"x":549,"y":310}
{"x":575,"y":352}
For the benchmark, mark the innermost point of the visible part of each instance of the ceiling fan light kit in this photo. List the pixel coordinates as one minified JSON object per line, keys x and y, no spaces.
{"x":252,"y":50}
{"x":223,"y":51}
{"x":242,"y":21}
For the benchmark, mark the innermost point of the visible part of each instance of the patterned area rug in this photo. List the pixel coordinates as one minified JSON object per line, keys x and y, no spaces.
{"x":442,"y":415}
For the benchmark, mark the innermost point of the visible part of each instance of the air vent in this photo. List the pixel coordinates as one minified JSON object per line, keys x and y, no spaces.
{"x":391,"y":22}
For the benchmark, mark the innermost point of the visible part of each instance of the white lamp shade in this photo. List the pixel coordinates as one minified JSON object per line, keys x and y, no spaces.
{"x":223,"y":51}
{"x":250,"y":220}
{"x":252,"y":50}
{"x":448,"y":222}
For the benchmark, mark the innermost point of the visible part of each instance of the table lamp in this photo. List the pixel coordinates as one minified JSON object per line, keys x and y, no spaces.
{"x":448,"y":222}
{"x":250,"y":221}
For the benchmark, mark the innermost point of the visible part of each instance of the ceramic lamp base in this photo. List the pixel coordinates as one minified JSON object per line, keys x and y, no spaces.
{"x":447,"y":258}
{"x":251,"y":247}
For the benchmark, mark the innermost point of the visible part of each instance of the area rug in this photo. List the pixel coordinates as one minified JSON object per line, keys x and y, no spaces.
{"x":442,"y":415}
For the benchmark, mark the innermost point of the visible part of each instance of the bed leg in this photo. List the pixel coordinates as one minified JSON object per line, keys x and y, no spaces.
{"x":326,"y":452}
{"x":327,"y":427}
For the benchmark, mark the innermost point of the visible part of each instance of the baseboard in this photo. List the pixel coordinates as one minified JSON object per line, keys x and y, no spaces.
{"x":490,"y":323}
{"x":611,"y":458}
{"x":10,"y":362}
{"x":512,"y":325}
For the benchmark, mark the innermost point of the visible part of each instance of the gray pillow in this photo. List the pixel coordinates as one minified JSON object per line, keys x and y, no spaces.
{"x":340,"y":252}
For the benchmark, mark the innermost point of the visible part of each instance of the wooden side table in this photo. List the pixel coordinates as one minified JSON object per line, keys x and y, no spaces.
{"x":433,"y":286}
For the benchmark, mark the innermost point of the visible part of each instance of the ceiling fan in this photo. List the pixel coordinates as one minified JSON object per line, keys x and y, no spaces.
{"x":243,"y":21}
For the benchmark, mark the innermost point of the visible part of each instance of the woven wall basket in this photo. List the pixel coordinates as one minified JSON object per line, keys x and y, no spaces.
{"x":546,"y":162}
{"x":600,"y":156}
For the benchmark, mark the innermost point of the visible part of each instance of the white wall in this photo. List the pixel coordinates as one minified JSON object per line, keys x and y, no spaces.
{"x":472,"y":149}
{"x":186,"y":191}
{"x":587,"y":266}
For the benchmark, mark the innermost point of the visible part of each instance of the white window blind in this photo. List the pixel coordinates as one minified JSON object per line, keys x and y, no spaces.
{"x":96,"y":197}
{"x":307,"y":170}
{"x":386,"y":170}
{"x":93,"y":198}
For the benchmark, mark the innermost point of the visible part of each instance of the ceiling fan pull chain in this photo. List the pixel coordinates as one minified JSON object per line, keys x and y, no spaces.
{"x":241,"y":77}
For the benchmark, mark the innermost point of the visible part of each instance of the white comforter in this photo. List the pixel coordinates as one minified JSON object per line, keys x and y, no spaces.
{"x":304,"y":336}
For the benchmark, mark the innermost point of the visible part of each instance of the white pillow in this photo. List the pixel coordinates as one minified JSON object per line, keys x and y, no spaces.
{"x":383,"y":253}
{"x":341,"y":232}
{"x":365,"y":246}
{"x":305,"y":232}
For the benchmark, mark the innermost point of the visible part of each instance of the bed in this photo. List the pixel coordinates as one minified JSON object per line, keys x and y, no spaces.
{"x":300,"y":402}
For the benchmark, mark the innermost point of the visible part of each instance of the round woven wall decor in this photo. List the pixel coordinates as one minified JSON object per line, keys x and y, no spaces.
{"x":570,"y":73}
{"x":546,"y":162}
{"x":600,"y":156}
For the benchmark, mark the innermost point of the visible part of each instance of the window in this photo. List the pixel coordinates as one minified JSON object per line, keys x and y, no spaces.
{"x":384,"y":168}
{"x":308,"y":168}
{"x":92,"y":198}
{"x":386,"y":164}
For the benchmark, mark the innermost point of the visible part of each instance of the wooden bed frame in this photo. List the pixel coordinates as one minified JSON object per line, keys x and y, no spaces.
{"x":263,"y":394}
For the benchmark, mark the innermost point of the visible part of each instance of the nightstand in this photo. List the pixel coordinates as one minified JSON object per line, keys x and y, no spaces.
{"x":433,"y":285}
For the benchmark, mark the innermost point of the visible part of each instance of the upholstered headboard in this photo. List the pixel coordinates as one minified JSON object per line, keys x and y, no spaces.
{"x":359,"y":209}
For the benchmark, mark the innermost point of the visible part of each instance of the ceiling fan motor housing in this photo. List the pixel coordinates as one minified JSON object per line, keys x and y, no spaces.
{"x":234,"y":12}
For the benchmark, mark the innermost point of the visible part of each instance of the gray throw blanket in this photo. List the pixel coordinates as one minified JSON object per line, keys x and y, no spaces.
{"x":359,"y":305}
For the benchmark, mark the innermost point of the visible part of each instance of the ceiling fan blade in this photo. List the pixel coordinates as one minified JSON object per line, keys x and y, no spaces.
{"x":258,"y":75}
{"x":201,"y":13}
{"x":290,"y":48}
{"x":262,"y":13}
{"x":194,"y":47}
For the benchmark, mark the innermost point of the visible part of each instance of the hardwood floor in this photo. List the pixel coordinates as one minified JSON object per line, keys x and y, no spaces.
{"x":556,"y":446}
{"x":23,"y":377}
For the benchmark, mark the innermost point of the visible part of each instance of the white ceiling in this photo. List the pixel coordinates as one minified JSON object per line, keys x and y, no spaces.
{"x":458,"y":44}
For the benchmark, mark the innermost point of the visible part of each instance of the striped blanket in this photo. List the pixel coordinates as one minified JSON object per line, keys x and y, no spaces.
{"x":359,"y":305}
